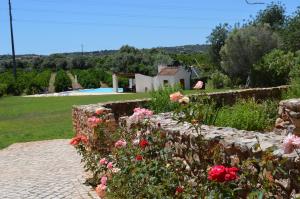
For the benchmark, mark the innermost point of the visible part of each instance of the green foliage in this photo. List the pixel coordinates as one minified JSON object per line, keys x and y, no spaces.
{"x":245,"y":47}
{"x":294,"y":75}
{"x":160,"y":99}
{"x":3,"y":88}
{"x":248,"y":115}
{"x":273,"y":14}
{"x":219,"y":80}
{"x":92,"y":77}
{"x":39,"y":83}
{"x":273,"y":69}
{"x":62,"y":81}
{"x":18,"y":86}
{"x":291,"y":33}
{"x":217,"y":40}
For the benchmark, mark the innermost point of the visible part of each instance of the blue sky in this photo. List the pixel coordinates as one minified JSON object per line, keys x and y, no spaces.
{"x":50,"y":26}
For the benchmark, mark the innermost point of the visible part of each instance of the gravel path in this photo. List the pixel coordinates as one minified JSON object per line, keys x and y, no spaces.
{"x":46,"y":169}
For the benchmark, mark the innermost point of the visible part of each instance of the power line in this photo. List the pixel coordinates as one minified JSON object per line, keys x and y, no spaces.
{"x":125,"y":4}
{"x":107,"y":24}
{"x":119,"y":15}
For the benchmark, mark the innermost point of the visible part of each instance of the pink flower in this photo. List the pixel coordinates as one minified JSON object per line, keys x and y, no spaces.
{"x":103,"y":161}
{"x":101,"y":190}
{"x":104,"y":180}
{"x":175,"y":97}
{"x":100,"y":111}
{"x":140,"y":114}
{"x":94,"y":121}
{"x":199,"y":85}
{"x":290,"y":143}
{"x":110,"y":165}
{"x":120,"y":144}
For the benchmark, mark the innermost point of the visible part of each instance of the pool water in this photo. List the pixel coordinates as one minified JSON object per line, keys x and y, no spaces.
{"x":101,"y":90}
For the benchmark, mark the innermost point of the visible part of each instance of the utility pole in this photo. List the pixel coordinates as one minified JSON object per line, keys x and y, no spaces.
{"x":12,"y":42}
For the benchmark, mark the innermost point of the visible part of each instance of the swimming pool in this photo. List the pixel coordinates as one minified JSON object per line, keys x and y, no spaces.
{"x":101,"y":90}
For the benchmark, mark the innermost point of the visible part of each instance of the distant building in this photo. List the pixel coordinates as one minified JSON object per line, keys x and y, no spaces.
{"x":167,"y":75}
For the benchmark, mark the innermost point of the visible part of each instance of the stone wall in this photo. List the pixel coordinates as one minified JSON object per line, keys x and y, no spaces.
{"x":116,"y":110}
{"x":236,"y":142}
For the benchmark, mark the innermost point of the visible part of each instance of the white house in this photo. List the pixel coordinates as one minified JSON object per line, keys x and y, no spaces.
{"x":167,"y":75}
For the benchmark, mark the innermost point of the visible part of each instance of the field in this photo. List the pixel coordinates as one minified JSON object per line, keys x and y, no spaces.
{"x":31,"y":119}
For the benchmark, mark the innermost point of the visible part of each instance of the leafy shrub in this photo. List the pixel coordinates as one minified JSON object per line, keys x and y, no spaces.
{"x":137,"y":161}
{"x":294,"y":89}
{"x":39,"y":83}
{"x":248,"y":115}
{"x":18,"y":86}
{"x":62,"y":81}
{"x":91,"y":78}
{"x":160,"y":99}
{"x":219,"y":80}
{"x":3,"y":88}
{"x":273,"y":69}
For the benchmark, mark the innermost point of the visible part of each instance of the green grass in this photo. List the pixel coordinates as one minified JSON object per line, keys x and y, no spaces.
{"x":31,"y":119}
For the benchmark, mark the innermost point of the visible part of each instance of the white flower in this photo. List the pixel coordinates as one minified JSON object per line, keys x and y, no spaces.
{"x":116,"y":170}
{"x":136,"y":141}
{"x":184,"y":100}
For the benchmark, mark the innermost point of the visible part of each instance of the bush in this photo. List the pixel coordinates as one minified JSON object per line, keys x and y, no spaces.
{"x":39,"y":83}
{"x":248,"y":115}
{"x":91,"y":78}
{"x":273,"y":69}
{"x":62,"y":81}
{"x":219,"y":80}
{"x":17,"y":87}
{"x":3,"y":88}
{"x":139,"y":161}
{"x":160,"y":99}
{"x":294,"y":89}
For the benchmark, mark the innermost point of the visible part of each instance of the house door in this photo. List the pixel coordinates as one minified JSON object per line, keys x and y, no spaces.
{"x":182,"y":83}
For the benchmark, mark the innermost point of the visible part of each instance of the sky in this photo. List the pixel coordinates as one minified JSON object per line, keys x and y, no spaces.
{"x":55,"y":26}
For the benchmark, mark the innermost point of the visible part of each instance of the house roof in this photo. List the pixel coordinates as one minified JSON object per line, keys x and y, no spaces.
{"x":168,"y":71}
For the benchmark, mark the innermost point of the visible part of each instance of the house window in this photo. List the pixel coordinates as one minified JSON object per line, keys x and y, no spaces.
{"x":166,"y":82}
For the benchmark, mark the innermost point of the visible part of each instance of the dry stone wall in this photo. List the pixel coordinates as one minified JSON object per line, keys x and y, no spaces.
{"x":235,"y":141}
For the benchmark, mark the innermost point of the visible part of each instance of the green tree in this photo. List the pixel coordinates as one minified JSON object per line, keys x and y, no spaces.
{"x":273,"y":69}
{"x":217,"y":40}
{"x":62,"y":81}
{"x":273,"y":14}
{"x":291,"y":33}
{"x":245,"y":47}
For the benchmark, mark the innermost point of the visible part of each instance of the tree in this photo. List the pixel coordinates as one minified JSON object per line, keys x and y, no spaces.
{"x":291,"y":33}
{"x":245,"y":47}
{"x":217,"y":40}
{"x":273,"y":69}
{"x":273,"y":14}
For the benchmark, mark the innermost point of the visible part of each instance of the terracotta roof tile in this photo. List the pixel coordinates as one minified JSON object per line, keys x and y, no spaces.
{"x":168,"y":71}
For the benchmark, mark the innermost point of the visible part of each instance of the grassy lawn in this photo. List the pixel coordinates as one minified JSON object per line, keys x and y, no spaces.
{"x":30,"y":119}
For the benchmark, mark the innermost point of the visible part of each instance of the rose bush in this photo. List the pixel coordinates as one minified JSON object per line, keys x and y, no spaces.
{"x":141,"y":161}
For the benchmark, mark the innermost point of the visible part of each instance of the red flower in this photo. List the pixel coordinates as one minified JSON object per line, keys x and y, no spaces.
{"x":179,"y":189}
{"x":139,"y":157}
{"x":220,"y":173}
{"x":144,"y":143}
{"x":79,"y":138}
